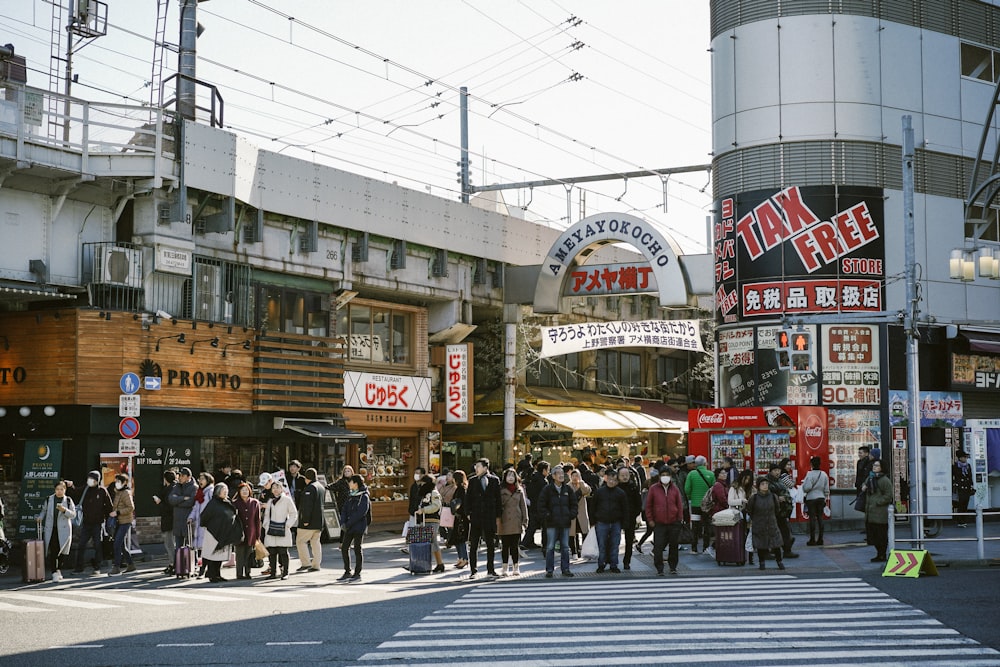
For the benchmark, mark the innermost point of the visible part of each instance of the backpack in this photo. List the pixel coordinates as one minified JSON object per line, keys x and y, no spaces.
{"x":707,"y":502}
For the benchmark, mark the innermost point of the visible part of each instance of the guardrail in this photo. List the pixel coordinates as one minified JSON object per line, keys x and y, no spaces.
{"x":97,"y":132}
{"x":980,"y":538}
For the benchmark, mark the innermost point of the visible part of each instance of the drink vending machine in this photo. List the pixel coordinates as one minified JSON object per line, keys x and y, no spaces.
{"x":757,"y":437}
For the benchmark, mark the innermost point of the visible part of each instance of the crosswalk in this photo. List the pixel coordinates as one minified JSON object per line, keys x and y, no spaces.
{"x":702,"y":621}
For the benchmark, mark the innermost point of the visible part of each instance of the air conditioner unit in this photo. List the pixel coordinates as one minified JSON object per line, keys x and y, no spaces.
{"x":114,"y":265}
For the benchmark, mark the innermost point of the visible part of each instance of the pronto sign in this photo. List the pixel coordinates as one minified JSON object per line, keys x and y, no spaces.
{"x":582,"y":239}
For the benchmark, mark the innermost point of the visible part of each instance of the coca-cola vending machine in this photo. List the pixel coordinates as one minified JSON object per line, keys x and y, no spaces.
{"x":757,"y":437}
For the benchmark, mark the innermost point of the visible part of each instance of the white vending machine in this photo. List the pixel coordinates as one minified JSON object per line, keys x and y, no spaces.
{"x":982,"y":442}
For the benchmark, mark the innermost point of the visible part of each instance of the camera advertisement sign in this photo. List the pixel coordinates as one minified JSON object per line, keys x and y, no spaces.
{"x":808,"y":249}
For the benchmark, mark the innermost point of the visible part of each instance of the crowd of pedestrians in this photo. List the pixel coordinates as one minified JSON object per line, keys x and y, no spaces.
{"x":580,"y":513}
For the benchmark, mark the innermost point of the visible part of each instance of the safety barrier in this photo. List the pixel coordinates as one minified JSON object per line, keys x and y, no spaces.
{"x":917,"y":542}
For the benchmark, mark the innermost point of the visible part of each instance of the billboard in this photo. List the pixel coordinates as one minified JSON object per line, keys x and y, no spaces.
{"x":801,"y":249}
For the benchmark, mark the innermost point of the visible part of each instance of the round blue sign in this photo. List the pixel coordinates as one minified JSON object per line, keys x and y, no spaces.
{"x":129,"y":383}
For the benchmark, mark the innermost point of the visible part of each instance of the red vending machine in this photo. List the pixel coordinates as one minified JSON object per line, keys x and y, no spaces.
{"x":757,"y":437}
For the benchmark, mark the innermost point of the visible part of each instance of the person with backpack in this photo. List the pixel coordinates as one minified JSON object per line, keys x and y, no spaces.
{"x":698,"y":482}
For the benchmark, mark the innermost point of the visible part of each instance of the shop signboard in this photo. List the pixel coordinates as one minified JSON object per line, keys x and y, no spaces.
{"x":941,"y":409}
{"x":851,"y":365}
{"x":458,"y":384}
{"x":801,"y":249}
{"x":42,"y":469}
{"x":569,"y":338}
{"x":382,"y":391}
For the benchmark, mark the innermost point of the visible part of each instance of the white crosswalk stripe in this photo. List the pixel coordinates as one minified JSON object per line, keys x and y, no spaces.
{"x":827,"y":622}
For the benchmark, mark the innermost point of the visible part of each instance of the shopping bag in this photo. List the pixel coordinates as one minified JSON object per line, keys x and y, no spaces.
{"x":260,"y":551}
{"x":589,"y":548}
{"x":447,"y":517}
{"x":748,"y":545}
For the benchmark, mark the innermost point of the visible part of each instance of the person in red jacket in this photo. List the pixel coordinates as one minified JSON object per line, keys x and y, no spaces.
{"x":665,"y":512}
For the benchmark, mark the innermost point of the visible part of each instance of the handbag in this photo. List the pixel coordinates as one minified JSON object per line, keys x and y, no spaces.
{"x":78,"y":516}
{"x":111,"y":525}
{"x":260,"y":552}
{"x":276,"y":528}
{"x":861,"y":500}
{"x":589,"y":549}
{"x":684,"y":535}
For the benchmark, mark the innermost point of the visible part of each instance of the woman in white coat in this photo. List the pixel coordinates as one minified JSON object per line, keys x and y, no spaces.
{"x":280,"y":515}
{"x":57,"y":519}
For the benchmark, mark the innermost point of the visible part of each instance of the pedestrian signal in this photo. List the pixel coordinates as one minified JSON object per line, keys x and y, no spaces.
{"x":800,"y":352}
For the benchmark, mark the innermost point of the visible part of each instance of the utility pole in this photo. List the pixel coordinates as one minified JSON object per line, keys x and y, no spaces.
{"x":916,"y":473}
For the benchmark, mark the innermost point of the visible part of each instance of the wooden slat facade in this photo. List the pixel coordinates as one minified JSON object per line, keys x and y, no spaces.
{"x":77,"y":357}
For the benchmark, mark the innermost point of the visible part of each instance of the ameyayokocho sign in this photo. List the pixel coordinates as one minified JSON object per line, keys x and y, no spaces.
{"x":799,"y":250}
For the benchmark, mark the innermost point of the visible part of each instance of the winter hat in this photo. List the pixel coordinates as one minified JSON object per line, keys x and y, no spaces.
{"x":689,"y":459}
{"x":94,"y":475}
{"x":310,"y":474}
{"x":654,"y":473}
{"x":700,"y":460}
{"x":876,"y":453}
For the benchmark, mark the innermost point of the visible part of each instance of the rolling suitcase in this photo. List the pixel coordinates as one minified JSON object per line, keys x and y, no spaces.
{"x":419,"y":539}
{"x":34,"y":559}
{"x":729,"y":544}
{"x":183,"y":558}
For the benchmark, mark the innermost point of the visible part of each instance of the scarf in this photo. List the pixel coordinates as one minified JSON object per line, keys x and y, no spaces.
{"x":512,"y":487}
{"x":200,"y":495}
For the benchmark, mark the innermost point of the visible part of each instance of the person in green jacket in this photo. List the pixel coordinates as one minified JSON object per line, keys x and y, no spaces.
{"x":696,"y":485}
{"x":877,"y":511}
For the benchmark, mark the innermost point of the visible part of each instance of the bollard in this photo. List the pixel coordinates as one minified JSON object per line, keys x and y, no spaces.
{"x":980,"y":535}
{"x":892,"y":527}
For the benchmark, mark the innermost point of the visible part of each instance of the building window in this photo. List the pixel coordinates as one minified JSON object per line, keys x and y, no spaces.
{"x":619,"y":373}
{"x":562,"y":371}
{"x":671,"y":374}
{"x":378,"y":334}
{"x":294,"y":311}
{"x":978,"y":62}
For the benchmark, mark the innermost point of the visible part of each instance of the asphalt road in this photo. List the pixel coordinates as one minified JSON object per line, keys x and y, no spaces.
{"x":152,"y":620}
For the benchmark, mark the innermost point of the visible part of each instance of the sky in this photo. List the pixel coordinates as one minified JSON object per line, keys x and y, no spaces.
{"x":558,"y":89}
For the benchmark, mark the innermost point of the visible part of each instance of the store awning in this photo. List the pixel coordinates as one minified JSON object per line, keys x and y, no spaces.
{"x":328,"y":429}
{"x":983,"y":341}
{"x":600,"y":422}
{"x":485,"y":428}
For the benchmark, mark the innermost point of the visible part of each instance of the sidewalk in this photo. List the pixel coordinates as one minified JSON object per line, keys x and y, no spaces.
{"x":844,"y":551}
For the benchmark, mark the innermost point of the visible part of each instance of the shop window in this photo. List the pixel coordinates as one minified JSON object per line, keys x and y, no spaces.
{"x":378,"y":334}
{"x":294,"y":311}
{"x":977,"y":62}
{"x":619,"y":373}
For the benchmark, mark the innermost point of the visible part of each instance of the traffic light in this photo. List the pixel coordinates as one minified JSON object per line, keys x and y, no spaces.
{"x":782,"y":338}
{"x":800,"y":352}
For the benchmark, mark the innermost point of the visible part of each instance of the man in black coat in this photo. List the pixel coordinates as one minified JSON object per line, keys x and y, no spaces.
{"x":96,"y":505}
{"x":610,"y":510}
{"x":535,"y":486}
{"x":310,"y":522}
{"x":181,"y":498}
{"x":167,"y":518}
{"x":626,"y":482}
{"x":557,"y":506}
{"x":482,"y":507}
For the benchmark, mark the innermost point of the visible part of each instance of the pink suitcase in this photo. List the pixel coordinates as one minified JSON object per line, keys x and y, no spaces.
{"x":34,"y":559}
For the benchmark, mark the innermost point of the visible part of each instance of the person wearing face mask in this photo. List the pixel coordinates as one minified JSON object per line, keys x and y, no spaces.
{"x":415,"y":498}
{"x":513,"y":521}
{"x":96,"y":505}
{"x":664,"y":511}
{"x":57,"y":518}
{"x":123,"y":511}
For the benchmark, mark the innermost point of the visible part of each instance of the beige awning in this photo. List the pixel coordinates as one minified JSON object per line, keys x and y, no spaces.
{"x":601,"y":422}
